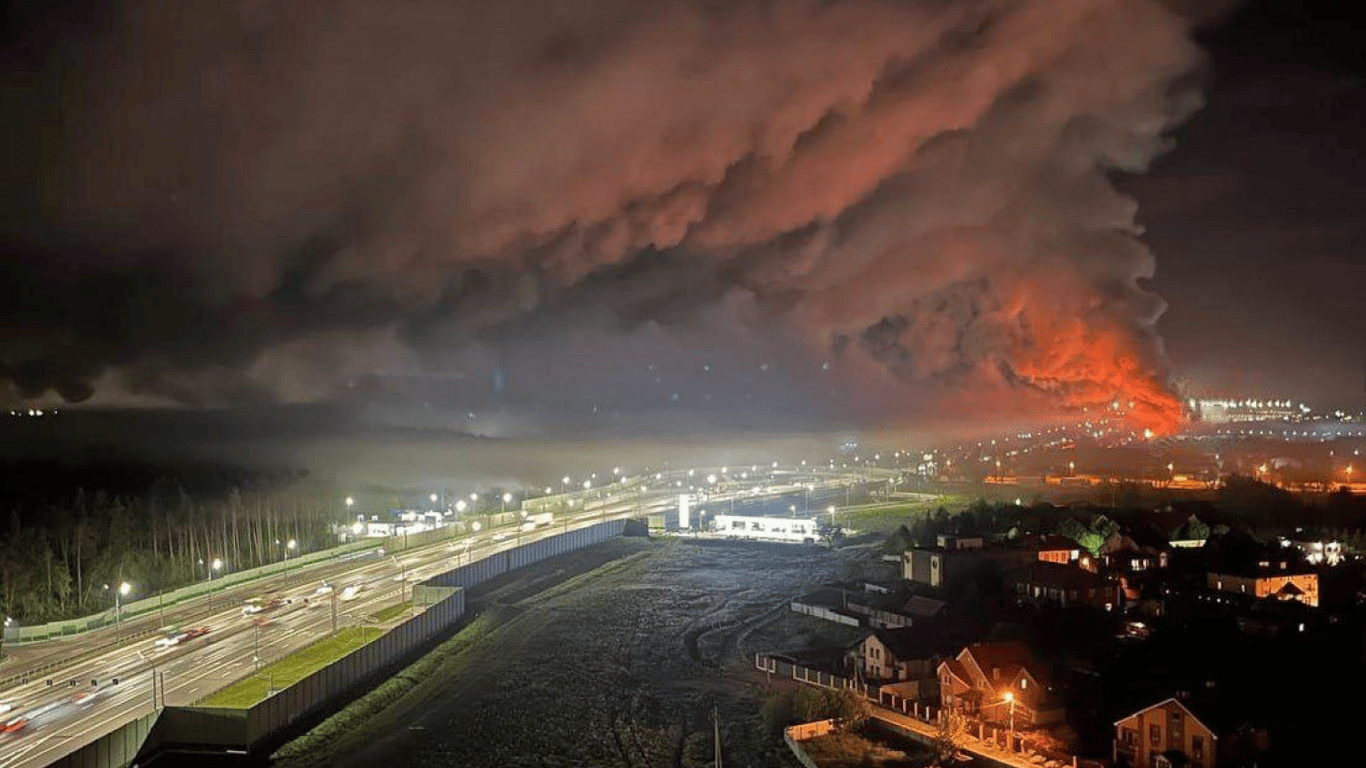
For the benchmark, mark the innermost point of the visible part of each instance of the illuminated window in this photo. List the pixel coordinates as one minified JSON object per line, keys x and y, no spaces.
{"x":1024,"y":683}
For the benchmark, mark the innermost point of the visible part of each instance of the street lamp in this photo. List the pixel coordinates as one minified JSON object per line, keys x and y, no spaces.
{"x":1071,"y":468}
{"x":432,"y":497}
{"x":460,"y":506}
{"x":9,"y":622}
{"x":506,"y":498}
{"x":119,"y":593}
{"x":1010,"y":699}
{"x":290,"y":546}
{"x":350,"y":502}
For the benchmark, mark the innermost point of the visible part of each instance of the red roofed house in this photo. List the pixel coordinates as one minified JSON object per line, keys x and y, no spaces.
{"x":1164,"y":735}
{"x":978,"y":680}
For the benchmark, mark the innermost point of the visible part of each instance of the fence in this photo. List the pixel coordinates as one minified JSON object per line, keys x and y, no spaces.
{"x":1019,"y":745}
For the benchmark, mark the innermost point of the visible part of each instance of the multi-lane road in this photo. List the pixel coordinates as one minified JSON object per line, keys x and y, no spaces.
{"x":59,"y":710}
{"x":80,"y":689}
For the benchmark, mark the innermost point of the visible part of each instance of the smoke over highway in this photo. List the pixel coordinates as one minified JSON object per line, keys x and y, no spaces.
{"x":857,"y":209}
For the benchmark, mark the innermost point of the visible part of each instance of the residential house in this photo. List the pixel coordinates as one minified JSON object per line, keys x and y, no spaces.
{"x":1279,"y":580}
{"x":953,"y":556}
{"x":887,"y":656}
{"x":1050,"y":548}
{"x":998,"y":682}
{"x":1067,"y":585}
{"x":1164,"y":735}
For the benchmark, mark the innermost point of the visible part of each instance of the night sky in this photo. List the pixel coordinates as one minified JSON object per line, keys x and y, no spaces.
{"x":860,"y":210}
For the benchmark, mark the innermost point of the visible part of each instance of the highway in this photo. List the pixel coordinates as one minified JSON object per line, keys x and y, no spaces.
{"x":59,"y":710}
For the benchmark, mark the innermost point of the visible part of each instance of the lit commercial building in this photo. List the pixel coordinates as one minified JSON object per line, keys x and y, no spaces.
{"x":767,"y":528}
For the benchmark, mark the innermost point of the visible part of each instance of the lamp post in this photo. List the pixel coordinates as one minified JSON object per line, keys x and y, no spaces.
{"x":9,"y":622}
{"x":119,"y":593}
{"x":506,"y":498}
{"x":1010,"y":699}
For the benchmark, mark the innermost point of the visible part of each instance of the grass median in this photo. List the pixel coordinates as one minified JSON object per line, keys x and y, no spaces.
{"x":384,"y":615}
{"x":885,"y":517}
{"x":292,"y":668}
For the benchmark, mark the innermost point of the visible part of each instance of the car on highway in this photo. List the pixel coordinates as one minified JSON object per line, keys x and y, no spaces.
{"x":170,"y":640}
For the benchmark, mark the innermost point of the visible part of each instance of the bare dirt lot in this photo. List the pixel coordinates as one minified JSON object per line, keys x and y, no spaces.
{"x":614,"y":656}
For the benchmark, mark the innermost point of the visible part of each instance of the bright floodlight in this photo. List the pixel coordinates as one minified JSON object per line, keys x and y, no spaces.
{"x":548,"y":490}
{"x":616,"y":470}
{"x":474,"y":497}
{"x":217,"y":564}
{"x":350,"y":501}
{"x":433,"y":498}
{"x":565,"y":479}
{"x":830,"y":509}
{"x":587,"y":484}
{"x":125,"y":588}
{"x":292,"y":544}
{"x":507,"y":497}
{"x":476,"y":526}
{"x":357,"y":528}
{"x":711,"y":478}
{"x":460,"y":506}
{"x":1010,"y":696}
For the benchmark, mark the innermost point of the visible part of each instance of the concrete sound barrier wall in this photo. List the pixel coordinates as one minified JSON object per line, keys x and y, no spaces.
{"x":112,"y":750}
{"x":264,"y":724}
{"x":305,"y":697}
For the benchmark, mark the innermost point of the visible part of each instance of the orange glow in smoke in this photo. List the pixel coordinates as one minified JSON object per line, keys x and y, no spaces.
{"x":1089,"y":365}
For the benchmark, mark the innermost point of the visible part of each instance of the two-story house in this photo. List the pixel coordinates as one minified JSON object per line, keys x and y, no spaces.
{"x":896,"y":656}
{"x":1164,"y":735}
{"x":998,"y":682}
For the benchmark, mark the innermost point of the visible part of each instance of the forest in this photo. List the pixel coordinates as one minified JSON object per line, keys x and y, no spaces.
{"x":70,"y":530}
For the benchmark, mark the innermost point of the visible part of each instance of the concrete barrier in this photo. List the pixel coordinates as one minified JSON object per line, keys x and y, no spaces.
{"x":112,"y":750}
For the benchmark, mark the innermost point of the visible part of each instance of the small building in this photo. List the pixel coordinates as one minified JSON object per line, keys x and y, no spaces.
{"x":952,"y":556}
{"x":799,"y":530}
{"x":1278,"y":581}
{"x":1067,"y":585}
{"x":897,"y":655}
{"x":998,"y":682}
{"x":1051,"y":548}
{"x":1164,"y":735}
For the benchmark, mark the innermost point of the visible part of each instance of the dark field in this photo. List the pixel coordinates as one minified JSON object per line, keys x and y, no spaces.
{"x":618,"y":665}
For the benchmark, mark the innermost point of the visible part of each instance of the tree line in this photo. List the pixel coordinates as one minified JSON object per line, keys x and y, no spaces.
{"x":74,"y":532}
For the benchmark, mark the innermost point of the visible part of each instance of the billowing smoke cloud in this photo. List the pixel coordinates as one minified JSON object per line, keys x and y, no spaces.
{"x":863,"y":206}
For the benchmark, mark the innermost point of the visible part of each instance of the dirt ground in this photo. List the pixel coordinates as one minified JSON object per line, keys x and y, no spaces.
{"x":614,"y":656}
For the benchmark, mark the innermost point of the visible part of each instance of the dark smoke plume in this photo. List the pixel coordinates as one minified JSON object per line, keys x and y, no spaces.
{"x":866,"y":206}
